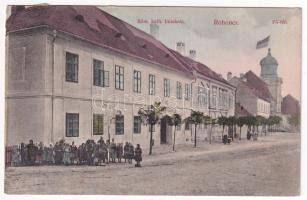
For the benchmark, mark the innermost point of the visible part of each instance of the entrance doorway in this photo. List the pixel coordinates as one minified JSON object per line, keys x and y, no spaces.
{"x":163,"y":130}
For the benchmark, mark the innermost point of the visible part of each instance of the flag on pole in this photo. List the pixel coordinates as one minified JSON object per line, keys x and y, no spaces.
{"x":263,"y":43}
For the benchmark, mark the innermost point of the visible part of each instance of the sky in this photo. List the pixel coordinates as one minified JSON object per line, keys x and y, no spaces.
{"x":226,"y":48}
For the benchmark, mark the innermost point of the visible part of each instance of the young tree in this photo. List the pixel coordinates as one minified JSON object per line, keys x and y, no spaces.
{"x":277,"y":121}
{"x":222,"y":121}
{"x":151,"y":116}
{"x":259,"y":122}
{"x":195,"y":118}
{"x":270,"y":122}
{"x":295,"y":121}
{"x":175,"y":121}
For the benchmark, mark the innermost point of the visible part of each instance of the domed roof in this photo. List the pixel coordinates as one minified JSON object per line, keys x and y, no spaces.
{"x":268,"y":60}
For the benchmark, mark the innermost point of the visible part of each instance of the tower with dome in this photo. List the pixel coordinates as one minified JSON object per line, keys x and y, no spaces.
{"x":269,"y":74}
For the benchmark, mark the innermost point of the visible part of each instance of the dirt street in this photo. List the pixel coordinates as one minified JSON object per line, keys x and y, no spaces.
{"x":269,"y":166}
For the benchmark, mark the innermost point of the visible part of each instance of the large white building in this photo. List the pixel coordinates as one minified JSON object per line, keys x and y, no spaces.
{"x":77,"y":72}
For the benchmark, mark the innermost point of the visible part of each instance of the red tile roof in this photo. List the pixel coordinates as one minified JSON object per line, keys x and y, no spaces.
{"x":290,"y":105}
{"x":102,"y":29}
{"x":199,"y":67}
{"x":258,"y":87}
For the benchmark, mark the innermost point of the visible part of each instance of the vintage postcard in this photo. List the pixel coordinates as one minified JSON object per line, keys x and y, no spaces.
{"x":114,"y":100}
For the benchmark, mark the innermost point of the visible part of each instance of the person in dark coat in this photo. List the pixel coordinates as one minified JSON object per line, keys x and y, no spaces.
{"x":113,"y":151}
{"x":74,"y":153}
{"x":89,"y":146}
{"x":131,"y":153}
{"x":40,"y":153}
{"x":58,"y":158}
{"x":102,"y":152}
{"x":31,"y":151}
{"x":138,"y":155}
{"x":81,"y":154}
{"x":126,"y":151}
{"x":119,"y":152}
{"x":23,"y":154}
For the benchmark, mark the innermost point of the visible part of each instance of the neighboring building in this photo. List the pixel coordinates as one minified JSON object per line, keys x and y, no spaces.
{"x":269,"y":74}
{"x":77,"y":72}
{"x":252,"y":94}
{"x":240,"y":111}
{"x":289,"y":105}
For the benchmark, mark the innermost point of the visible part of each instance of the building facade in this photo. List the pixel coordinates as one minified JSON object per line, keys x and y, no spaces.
{"x":253,"y":96}
{"x":290,"y":105}
{"x":78,"y":73}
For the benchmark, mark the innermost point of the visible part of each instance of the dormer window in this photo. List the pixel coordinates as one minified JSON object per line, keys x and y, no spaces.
{"x":118,"y":35}
{"x":80,"y":18}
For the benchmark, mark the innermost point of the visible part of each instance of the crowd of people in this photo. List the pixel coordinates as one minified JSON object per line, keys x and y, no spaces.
{"x":88,"y":153}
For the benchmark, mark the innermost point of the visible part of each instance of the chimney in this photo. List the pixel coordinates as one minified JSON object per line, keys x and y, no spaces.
{"x":229,"y":76}
{"x":154,"y":30}
{"x":192,"y":54}
{"x":16,"y":9}
{"x":180,"y":48}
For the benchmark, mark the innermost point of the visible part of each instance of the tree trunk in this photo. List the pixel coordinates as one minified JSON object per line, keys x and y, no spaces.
{"x":150,"y":145}
{"x":240,"y":132}
{"x":195,"y":136}
{"x":174,"y":139}
{"x":265,"y":127}
{"x":210,"y":134}
{"x":223,"y":132}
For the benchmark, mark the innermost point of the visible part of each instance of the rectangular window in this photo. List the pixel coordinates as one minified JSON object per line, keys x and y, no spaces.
{"x":179,"y":90}
{"x":187,"y":91}
{"x":97,"y":124}
{"x":106,"y":78}
{"x":72,"y":125}
{"x":119,"y":124}
{"x":213,"y":99}
{"x":101,"y":77}
{"x":137,"y":124}
{"x":231,"y":101}
{"x":167,"y":87}
{"x":137,"y":81}
{"x":119,"y":77}
{"x":202,"y":96}
{"x":220,"y":98}
{"x":71,"y":67}
{"x":152,"y":83}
